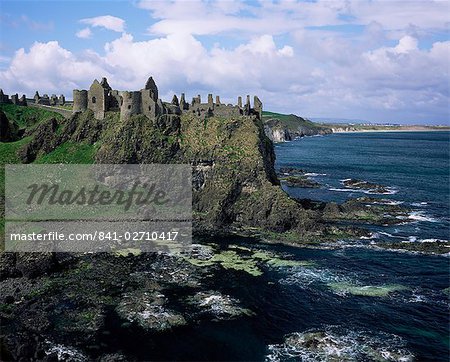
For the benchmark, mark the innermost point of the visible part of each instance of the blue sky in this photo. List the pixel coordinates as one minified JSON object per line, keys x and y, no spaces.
{"x":383,"y":61}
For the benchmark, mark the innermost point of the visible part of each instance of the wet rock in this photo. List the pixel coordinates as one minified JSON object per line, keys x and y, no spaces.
{"x":428,"y":247}
{"x":300,"y":181}
{"x":9,"y":299}
{"x":333,"y":346}
{"x":148,"y":309}
{"x":113,"y":357}
{"x":220,"y":306}
{"x":60,"y":352}
{"x":368,"y":210}
{"x":8,"y":265}
{"x":32,"y":265}
{"x":290,"y":171}
{"x":365,"y":185}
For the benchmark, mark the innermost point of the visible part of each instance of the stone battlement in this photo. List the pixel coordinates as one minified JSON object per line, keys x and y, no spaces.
{"x":5,"y":99}
{"x":101,"y":98}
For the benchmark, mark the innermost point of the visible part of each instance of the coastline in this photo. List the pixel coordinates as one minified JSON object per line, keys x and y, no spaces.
{"x":393,"y":130}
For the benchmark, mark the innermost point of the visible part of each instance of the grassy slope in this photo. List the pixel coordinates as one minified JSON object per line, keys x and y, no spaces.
{"x":291,"y":121}
{"x":27,"y":116}
{"x":68,"y":152}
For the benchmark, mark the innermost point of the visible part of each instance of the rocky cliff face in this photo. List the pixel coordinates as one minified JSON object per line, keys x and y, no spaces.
{"x":8,"y":130}
{"x":234,"y":181}
{"x":277,"y":132}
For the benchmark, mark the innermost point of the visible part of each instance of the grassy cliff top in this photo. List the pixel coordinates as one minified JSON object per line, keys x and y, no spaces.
{"x":27,"y":116}
{"x":290,"y":121}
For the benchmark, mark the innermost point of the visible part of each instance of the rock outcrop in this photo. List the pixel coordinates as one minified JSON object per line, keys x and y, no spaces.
{"x":282,"y":127}
{"x":8,"y":130}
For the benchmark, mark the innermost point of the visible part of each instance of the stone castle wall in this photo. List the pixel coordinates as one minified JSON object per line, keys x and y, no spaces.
{"x":131,"y":104}
{"x":5,"y":99}
{"x":101,"y":98}
{"x":80,"y":100}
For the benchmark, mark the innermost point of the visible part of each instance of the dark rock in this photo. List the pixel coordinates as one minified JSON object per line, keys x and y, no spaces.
{"x":52,"y":357}
{"x":43,"y":141}
{"x":365,"y":185}
{"x":290,"y":171}
{"x":9,"y":299}
{"x":300,"y":181}
{"x":8,"y":130}
{"x":32,"y":265}
{"x":8,"y":265}
{"x":113,"y":357}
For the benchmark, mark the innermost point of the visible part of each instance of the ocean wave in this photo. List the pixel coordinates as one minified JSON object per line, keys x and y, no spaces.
{"x":65,"y":353}
{"x":342,"y":285}
{"x":388,"y":202}
{"x":389,"y":191}
{"x":313,"y":174}
{"x":419,"y":204}
{"x":420,"y":216}
{"x":413,"y":239}
{"x":334,"y":344}
{"x":390,"y":235}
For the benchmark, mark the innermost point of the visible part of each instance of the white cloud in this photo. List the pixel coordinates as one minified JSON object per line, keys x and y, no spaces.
{"x":106,"y":21}
{"x":85,"y":33}
{"x":386,"y":71}
{"x":205,"y":17}
{"x":406,"y":45}
{"x":48,"y":67}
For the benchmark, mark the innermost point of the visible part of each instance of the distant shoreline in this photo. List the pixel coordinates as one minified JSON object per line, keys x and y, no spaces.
{"x":395,"y":130}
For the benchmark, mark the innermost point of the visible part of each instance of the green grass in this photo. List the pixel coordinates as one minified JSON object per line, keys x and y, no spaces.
{"x":8,"y":155}
{"x":70,"y":152}
{"x":27,"y":116}
{"x":291,"y":121}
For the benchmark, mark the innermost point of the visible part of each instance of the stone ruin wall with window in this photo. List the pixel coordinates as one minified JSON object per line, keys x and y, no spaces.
{"x":101,"y":98}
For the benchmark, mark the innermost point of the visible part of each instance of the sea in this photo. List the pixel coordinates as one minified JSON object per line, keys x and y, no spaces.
{"x":355,"y":302}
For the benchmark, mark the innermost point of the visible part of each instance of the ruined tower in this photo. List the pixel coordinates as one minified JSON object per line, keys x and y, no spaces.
{"x":131,"y":104}
{"x":98,"y":99}
{"x":80,"y":100}
{"x":183,"y":104}
{"x":257,"y":105}
{"x":149,"y":99}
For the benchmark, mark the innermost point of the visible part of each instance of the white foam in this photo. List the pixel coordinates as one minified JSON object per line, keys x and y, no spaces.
{"x":313,"y":174}
{"x":388,"y":202}
{"x":433,"y":241}
{"x":65,"y":353}
{"x":411,"y":239}
{"x":344,"y":190}
{"x":334,"y":345}
{"x":419,"y":204}
{"x":389,"y":191}
{"x":419,"y":216}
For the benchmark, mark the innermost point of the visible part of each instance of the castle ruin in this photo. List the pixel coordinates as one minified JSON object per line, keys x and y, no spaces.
{"x":5,"y":99}
{"x":45,"y":100}
{"x":101,"y":98}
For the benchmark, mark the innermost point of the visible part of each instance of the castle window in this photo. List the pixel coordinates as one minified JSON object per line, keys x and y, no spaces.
{"x":94,"y":99}
{"x":129,"y":106}
{"x":149,"y":108}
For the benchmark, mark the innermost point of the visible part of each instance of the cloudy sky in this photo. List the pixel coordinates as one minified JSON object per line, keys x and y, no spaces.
{"x":378,"y":60}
